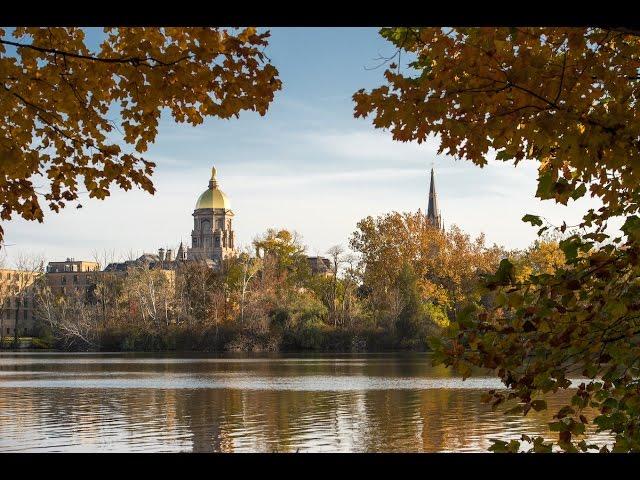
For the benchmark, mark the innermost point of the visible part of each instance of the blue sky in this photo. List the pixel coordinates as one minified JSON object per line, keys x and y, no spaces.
{"x":307,"y":165}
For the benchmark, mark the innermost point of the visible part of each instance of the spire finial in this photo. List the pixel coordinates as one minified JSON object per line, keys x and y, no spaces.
{"x":213,"y":183}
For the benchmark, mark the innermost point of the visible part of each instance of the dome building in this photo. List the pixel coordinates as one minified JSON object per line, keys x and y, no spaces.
{"x":212,"y":237}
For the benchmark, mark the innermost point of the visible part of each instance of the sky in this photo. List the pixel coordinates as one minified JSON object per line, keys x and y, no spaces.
{"x":308,"y":165}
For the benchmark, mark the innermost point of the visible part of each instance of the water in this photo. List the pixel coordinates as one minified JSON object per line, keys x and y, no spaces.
{"x":57,"y":402}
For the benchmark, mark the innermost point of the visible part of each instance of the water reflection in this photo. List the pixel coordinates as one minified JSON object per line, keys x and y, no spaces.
{"x":364,"y":403}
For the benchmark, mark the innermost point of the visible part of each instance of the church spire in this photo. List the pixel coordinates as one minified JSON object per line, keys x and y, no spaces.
{"x":182,"y":254}
{"x":433,"y":212}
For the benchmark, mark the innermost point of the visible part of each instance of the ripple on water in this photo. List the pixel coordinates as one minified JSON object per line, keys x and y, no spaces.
{"x":123,"y":403}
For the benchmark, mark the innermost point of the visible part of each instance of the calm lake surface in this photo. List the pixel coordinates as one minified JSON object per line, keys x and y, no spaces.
{"x":54,"y":402}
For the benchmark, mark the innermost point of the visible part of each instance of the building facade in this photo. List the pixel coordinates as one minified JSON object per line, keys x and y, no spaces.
{"x":320,"y":266}
{"x":72,"y":276}
{"x":17,"y":300}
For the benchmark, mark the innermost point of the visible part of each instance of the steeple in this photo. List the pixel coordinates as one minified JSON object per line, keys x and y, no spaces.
{"x":433,"y":212}
{"x":181,"y":255}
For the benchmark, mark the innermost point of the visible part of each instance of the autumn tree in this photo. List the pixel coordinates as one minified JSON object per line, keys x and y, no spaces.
{"x":59,"y":97}
{"x":447,"y":264}
{"x":336,"y":254}
{"x":195,"y":283}
{"x":284,"y":261}
{"x":241,"y":272}
{"x":544,"y":256}
{"x":565,"y":98}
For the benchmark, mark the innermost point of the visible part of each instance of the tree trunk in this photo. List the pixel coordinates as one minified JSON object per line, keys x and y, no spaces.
{"x":2,"y":326}
{"x":15,"y":326}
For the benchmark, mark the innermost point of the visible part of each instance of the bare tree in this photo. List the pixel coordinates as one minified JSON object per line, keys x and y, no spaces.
{"x":29,"y":268}
{"x":107,"y":283}
{"x":350,"y":281}
{"x":71,"y":319}
{"x":105,"y":257}
{"x":335,"y":253}
{"x":250,"y":267}
{"x":4,"y":294}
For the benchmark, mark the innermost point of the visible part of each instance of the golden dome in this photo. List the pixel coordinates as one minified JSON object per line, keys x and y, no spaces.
{"x":213,"y":197}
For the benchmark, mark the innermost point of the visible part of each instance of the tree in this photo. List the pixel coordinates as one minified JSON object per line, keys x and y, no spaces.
{"x":447,"y":264}
{"x":283,"y":257}
{"x":58,"y":96}
{"x":543,"y":257}
{"x":567,"y":99}
{"x":153,"y":292}
{"x":336,"y":254}
{"x":108,"y":285}
{"x":241,"y":272}
{"x":350,"y":282}
{"x":200,"y":287}
{"x":28,"y":269}
{"x":71,"y":319}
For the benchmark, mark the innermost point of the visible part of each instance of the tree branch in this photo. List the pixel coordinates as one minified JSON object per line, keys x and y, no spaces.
{"x":130,"y":60}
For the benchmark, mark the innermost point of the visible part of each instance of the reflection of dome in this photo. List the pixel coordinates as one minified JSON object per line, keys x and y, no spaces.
{"x":213,"y":197}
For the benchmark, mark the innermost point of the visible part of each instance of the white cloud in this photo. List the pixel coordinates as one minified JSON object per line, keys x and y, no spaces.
{"x":320,"y":183}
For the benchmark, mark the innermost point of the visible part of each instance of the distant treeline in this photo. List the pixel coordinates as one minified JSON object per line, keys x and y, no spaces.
{"x":402,"y":283}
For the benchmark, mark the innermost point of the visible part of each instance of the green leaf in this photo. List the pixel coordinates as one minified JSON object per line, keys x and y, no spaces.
{"x":545,"y":186}
{"x":533,"y":219}
{"x":505,"y":274}
{"x":570,"y":247}
{"x":579,"y":192}
{"x":631,"y":227}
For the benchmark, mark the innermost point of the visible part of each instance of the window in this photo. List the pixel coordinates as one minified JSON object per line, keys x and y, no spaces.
{"x":75,"y":279}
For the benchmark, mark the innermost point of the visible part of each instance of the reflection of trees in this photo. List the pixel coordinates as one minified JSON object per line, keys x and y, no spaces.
{"x":212,"y":420}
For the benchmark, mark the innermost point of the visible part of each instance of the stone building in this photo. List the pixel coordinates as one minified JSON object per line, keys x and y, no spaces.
{"x":433,"y":211}
{"x":17,"y":299}
{"x":212,"y":237}
{"x":163,"y":260}
{"x":320,"y":266}
{"x":72,"y":276}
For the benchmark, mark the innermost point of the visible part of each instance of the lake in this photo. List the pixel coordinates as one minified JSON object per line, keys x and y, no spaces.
{"x":60,"y":402}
